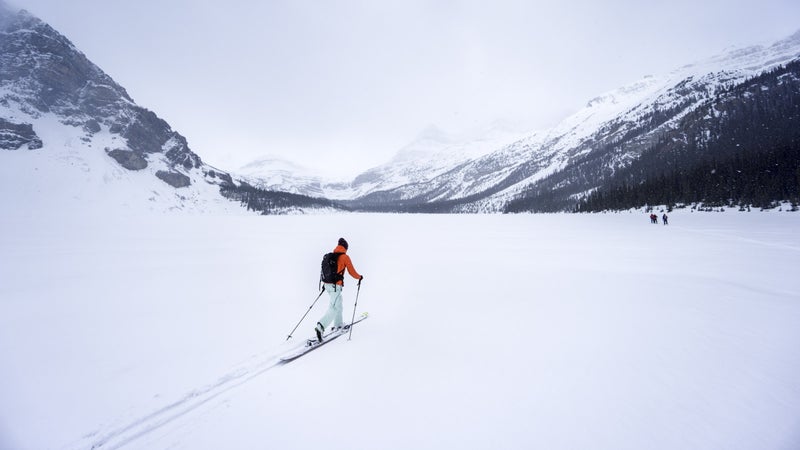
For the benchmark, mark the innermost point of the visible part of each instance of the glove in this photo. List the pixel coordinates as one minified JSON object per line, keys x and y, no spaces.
{"x":362,"y":277}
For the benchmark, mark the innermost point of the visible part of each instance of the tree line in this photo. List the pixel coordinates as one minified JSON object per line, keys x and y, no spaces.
{"x":273,"y":202}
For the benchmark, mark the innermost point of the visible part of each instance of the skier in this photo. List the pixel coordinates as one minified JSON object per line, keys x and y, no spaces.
{"x":334,"y":290}
{"x":664,"y":218}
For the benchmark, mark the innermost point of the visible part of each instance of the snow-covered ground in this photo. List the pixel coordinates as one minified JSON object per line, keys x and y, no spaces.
{"x":511,"y":332}
{"x":72,"y":175}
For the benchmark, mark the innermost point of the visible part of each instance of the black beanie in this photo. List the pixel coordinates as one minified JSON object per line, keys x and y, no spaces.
{"x":343,"y":243}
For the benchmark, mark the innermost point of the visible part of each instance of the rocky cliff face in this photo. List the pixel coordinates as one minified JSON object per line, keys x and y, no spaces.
{"x":41,"y":72}
{"x":71,"y":138}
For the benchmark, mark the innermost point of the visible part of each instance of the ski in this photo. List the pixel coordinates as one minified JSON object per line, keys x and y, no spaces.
{"x":313,"y":344}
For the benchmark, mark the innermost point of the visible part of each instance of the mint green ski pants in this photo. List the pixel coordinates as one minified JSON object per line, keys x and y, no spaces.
{"x":334,"y":313}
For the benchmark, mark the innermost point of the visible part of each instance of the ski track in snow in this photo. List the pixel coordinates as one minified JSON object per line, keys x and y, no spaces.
{"x":124,"y":435}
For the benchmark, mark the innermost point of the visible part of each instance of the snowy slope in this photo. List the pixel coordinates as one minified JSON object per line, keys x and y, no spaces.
{"x":514,"y":332}
{"x":72,"y":174}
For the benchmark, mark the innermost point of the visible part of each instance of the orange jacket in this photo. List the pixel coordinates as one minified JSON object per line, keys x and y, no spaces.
{"x":345,"y":263}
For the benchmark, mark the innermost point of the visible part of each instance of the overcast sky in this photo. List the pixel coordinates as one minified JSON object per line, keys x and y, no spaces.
{"x":339,"y":86}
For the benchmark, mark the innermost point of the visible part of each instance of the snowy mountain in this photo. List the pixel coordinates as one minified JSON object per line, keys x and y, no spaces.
{"x":614,"y":128}
{"x":430,"y":154}
{"x":433,"y":153}
{"x":705,"y":110}
{"x":70,"y":135}
{"x":278,"y":174}
{"x":439,"y":173}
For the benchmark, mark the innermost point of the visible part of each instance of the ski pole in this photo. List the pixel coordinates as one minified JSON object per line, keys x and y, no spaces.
{"x":304,"y":315}
{"x":352,"y":321}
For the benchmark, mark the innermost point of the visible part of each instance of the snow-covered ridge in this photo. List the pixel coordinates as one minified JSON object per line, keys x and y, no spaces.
{"x":436,"y":166}
{"x":606,"y":118}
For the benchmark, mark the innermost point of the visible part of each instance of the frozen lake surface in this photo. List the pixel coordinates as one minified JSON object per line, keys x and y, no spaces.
{"x":513,"y":332}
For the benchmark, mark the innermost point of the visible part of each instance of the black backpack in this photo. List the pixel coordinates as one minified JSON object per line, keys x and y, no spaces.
{"x":330,"y":264}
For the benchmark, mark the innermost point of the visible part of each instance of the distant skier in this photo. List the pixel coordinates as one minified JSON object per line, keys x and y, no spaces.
{"x":333,"y":284}
{"x":665,"y":219}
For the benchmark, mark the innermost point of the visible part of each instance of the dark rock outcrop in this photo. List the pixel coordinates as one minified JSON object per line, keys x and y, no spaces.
{"x":128,"y":159}
{"x":16,"y":135}
{"x":174,"y":179}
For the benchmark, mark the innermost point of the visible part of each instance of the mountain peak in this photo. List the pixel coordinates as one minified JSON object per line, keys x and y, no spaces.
{"x":272,"y":163}
{"x":54,"y":100}
{"x":433,"y":133}
{"x":18,"y":19}
{"x":53,"y":70}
